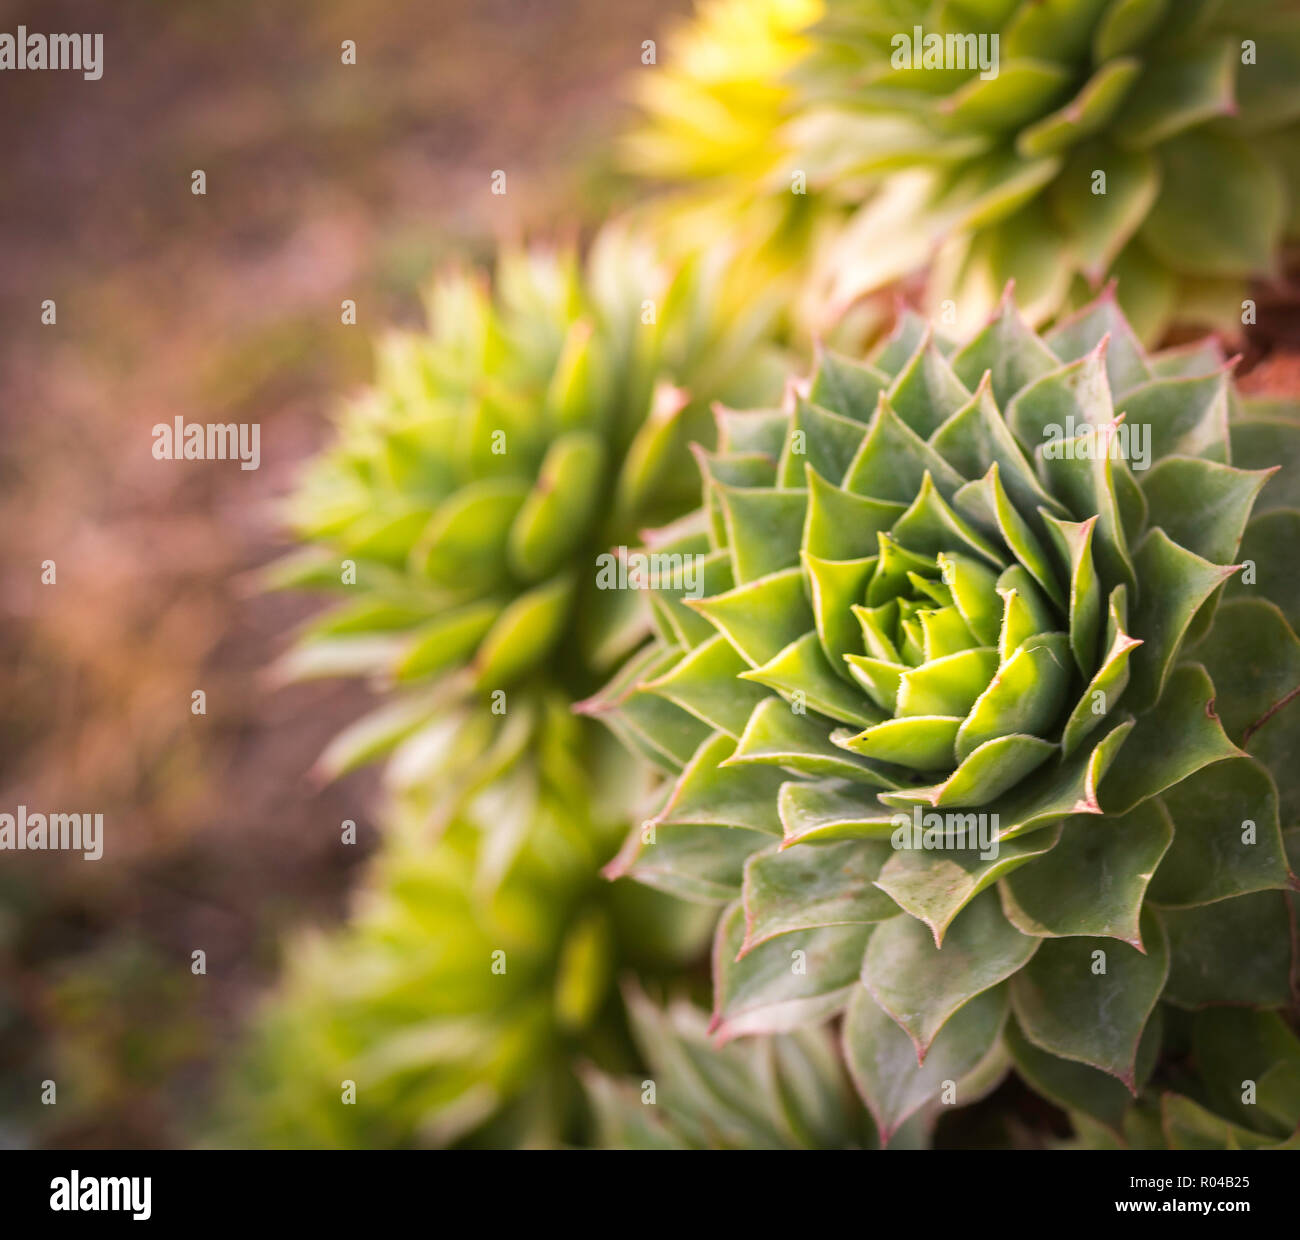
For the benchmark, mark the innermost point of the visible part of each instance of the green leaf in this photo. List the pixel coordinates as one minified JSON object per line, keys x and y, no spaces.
{"x":822,"y":885}
{"x":1234,"y":951}
{"x":1090,"y":109}
{"x":524,"y":633}
{"x":1184,"y":417}
{"x":1074,"y":543}
{"x":818,"y":438}
{"x":764,"y":528}
{"x":883,"y":1064}
{"x":1066,"y":1005}
{"x":920,"y":743}
{"x":1175,"y":582}
{"x":1268,"y":572}
{"x":835,"y":587}
{"x":555,"y":515}
{"x":778,"y":736}
{"x":1228,"y":841}
{"x":801,"y":668}
{"x":923,"y":986}
{"x":704,"y":683}
{"x":1253,"y":658}
{"x":926,"y":391}
{"x":930,"y":526}
{"x":850,"y":388}
{"x":712,"y":794}
{"x":1093,"y":882}
{"x":832,"y":810}
{"x":948,"y":685}
{"x":464,"y":543}
{"x":1178,"y":737}
{"x":1026,"y":695}
{"x":448,"y":640}
{"x":934,"y":886}
{"x":761,"y":618}
{"x":1076,"y":1087}
{"x":893,"y":459}
{"x":689,"y":862}
{"x":843,"y":526}
{"x":985,"y":775}
{"x":1108,"y":685}
{"x":797,"y":979}
{"x":1221,"y":207}
{"x":1178,"y":92}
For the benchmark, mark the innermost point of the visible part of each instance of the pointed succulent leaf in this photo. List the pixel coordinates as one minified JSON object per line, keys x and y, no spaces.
{"x":1089,"y":1000}
{"x":803,"y":888}
{"x":923,"y":986}
{"x":1093,"y":883}
{"x":796,"y":979}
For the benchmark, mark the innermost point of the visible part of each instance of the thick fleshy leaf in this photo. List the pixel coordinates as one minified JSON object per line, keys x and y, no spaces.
{"x":710,"y":793}
{"x":1239,"y":200}
{"x":1267,"y":568}
{"x":823,"y":885}
{"x":1182,"y":418}
{"x":1074,"y":545}
{"x":834,"y":588}
{"x":704,"y":683}
{"x":930,"y":526}
{"x":923,"y":986}
{"x":893,"y":461}
{"x":1089,"y":1000}
{"x":882,"y":1060}
{"x":926,"y":391}
{"x":985,"y":774}
{"x":819,"y":438}
{"x":988,"y":500}
{"x":559,"y":507}
{"x":840,"y":525}
{"x":764,"y":528}
{"x":1228,"y":842}
{"x":1235,"y":1045}
{"x":1234,"y":951}
{"x":1026,"y":696}
{"x":796,"y":979}
{"x":935,"y":885}
{"x":832,"y":810}
{"x":778,"y":736}
{"x":690,"y":862}
{"x":523,"y":634}
{"x":1178,"y":737}
{"x":1107,"y":685}
{"x":801,"y":669}
{"x":851,"y":388}
{"x":1253,"y":658}
{"x":761,"y":617}
{"x":1075,"y":1086}
{"x":920,"y":743}
{"x":1093,"y":883}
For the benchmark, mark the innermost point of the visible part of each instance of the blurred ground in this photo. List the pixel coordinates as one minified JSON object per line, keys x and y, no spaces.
{"x":324,"y":181}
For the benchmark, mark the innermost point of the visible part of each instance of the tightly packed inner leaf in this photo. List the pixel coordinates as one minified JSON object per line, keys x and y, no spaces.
{"x":945,"y":739}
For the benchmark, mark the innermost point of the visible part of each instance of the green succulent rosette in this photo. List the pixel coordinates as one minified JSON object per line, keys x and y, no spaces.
{"x":536,"y":425}
{"x":1150,"y":140}
{"x":441,"y":1014}
{"x":981,"y":711}
{"x":1153,"y":141}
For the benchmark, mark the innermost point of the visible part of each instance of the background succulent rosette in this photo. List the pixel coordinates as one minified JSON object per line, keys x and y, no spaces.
{"x":1149,"y":140}
{"x":934,"y":585}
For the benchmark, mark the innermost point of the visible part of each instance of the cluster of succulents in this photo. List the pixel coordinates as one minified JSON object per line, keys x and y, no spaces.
{"x":961,"y":711}
{"x":1149,"y":140}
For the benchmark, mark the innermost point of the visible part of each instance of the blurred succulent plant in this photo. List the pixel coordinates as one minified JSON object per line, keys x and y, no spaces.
{"x":712,"y":117}
{"x":457,"y":1015}
{"x":1151,"y":140}
{"x":468,"y":494}
{"x":783,"y":1092}
{"x":977,"y":735}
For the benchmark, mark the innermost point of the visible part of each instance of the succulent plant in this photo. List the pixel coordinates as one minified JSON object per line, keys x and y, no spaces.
{"x":455,"y":1015}
{"x":789,"y":1091}
{"x":1188,"y":110}
{"x":1150,"y":140}
{"x":535,"y":426}
{"x":979,"y":737}
{"x":711,"y":114}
